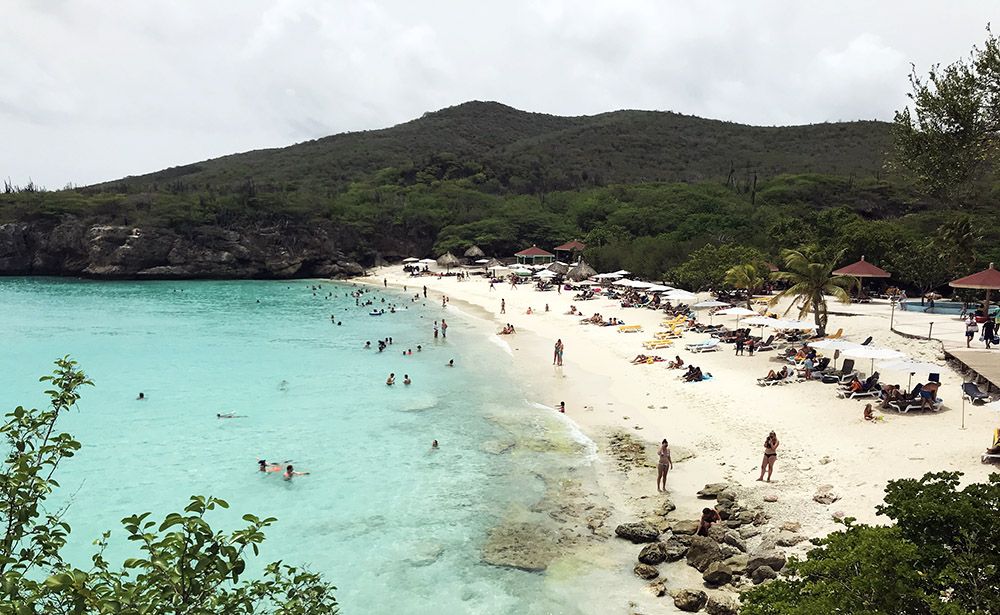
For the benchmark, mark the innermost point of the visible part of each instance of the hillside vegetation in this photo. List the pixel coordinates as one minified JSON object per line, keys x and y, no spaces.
{"x":644,"y":189}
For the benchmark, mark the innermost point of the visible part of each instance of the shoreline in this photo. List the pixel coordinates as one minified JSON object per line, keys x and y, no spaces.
{"x":722,"y":422}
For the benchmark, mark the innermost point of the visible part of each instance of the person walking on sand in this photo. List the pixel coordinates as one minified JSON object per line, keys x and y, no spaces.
{"x":970,"y":330}
{"x":770,"y":454}
{"x":503,"y":306}
{"x":425,"y":291}
{"x":557,"y":353}
{"x":385,"y":283}
{"x":444,"y":328}
{"x":664,"y":466}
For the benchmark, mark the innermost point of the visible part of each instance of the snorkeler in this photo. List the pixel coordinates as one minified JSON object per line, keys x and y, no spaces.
{"x":264,"y":466}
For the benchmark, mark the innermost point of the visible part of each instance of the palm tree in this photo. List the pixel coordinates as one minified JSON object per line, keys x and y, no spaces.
{"x":958,"y":239}
{"x":748,"y":277}
{"x":810,"y":282}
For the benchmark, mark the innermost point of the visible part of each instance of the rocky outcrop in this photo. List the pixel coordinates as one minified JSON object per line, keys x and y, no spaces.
{"x":703,"y":552}
{"x":76,"y":248}
{"x":637,"y":532}
{"x":690,"y":600}
{"x":524,"y":546}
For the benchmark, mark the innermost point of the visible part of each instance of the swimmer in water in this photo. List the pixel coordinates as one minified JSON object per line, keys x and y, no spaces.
{"x":142,"y":397}
{"x":391,"y":380}
{"x":290,"y":472}
{"x":451,"y":363}
{"x":406,"y":379}
{"x":434,"y":445}
{"x":264,"y":466}
{"x":230,"y":416}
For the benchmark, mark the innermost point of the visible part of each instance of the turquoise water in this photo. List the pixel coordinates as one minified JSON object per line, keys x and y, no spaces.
{"x":395,"y":526}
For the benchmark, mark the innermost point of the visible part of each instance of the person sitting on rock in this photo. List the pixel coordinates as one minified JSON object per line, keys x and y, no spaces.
{"x":708,"y":517}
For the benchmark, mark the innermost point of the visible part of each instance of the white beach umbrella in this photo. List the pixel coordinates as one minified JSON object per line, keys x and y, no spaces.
{"x":482,"y":261}
{"x":736,"y":311}
{"x":701,"y":305}
{"x":411,"y":259}
{"x":659,"y":288}
{"x":427,"y":261}
{"x":912,"y":367}
{"x":607,"y":276}
{"x":546,"y":274}
{"x":796,"y":324}
{"x":833,"y":344}
{"x":760,"y":321}
{"x":622,"y":272}
{"x":587,"y":283}
{"x":873,"y":352}
{"x":680,"y":295}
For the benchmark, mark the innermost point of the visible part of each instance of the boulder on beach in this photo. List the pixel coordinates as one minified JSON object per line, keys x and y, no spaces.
{"x":703,"y":552}
{"x":645,"y":571}
{"x":825,"y":495}
{"x":653,"y":554}
{"x":717,"y":574}
{"x":788,"y":539}
{"x":772,"y":559}
{"x":712,"y":491}
{"x":637,"y":532}
{"x":674,"y":549}
{"x":722,"y":605}
{"x":690,"y":600}
{"x":764,"y":573}
{"x":685,"y":527}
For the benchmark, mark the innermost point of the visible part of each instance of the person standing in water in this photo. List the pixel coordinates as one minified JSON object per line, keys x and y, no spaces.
{"x":406,"y":379}
{"x":444,"y":328}
{"x":663,"y":466}
{"x":141,"y":397}
{"x":391,"y":380}
{"x":557,"y":353}
{"x":770,"y":454}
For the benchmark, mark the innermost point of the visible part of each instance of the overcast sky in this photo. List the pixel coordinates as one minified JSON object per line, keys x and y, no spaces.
{"x":92,"y":90}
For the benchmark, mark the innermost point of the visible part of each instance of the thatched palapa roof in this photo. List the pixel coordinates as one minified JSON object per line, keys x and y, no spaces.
{"x":581,"y":271}
{"x":448,"y":260}
{"x":474,"y":252}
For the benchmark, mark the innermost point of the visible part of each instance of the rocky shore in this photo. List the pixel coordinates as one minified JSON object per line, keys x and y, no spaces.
{"x":749,"y":546}
{"x":72,"y":247}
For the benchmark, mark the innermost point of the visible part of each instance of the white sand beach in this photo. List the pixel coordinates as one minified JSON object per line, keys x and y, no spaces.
{"x":724,"y":421}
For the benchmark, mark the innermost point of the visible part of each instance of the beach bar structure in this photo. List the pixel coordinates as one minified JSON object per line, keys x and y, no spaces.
{"x":534,"y":256}
{"x":571,"y":251}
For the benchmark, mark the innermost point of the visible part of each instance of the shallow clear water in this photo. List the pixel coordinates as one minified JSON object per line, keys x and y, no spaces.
{"x":394,"y":525}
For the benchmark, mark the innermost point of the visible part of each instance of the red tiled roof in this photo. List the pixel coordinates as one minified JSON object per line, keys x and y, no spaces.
{"x":988,"y":278}
{"x":570,"y":246}
{"x":533,"y":251}
{"x":863,"y":269}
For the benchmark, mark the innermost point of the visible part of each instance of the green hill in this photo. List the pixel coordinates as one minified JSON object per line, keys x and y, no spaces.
{"x":528,"y":152}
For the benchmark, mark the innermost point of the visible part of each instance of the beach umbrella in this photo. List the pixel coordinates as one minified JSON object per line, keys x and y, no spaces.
{"x":411,"y":259}
{"x":474,"y":252}
{"x":546,"y":274}
{"x":427,"y":261}
{"x":988,"y":279}
{"x":581,"y":271}
{"x":622,"y":272}
{"x":796,"y":324}
{"x":709,"y":304}
{"x":483,"y":261}
{"x":912,"y":367}
{"x":873,"y":353}
{"x":607,"y":276}
{"x":495,"y":264}
{"x":833,"y":344}
{"x":659,"y":288}
{"x":680,"y":295}
{"x":736,"y":311}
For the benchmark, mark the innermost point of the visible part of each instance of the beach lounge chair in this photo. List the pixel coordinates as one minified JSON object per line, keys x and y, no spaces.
{"x":765,"y":382}
{"x":629,"y":328}
{"x":709,"y":346}
{"x":817,"y":370}
{"x":915,"y":403}
{"x":836,"y":336}
{"x":657,"y":344}
{"x":767,"y":344}
{"x":844,"y":374}
{"x":970,"y":391}
{"x":869,"y":388}
{"x":867,"y":341}
{"x":996,"y":442}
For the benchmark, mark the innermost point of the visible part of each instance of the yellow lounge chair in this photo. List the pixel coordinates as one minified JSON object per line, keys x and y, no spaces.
{"x":629,"y":328}
{"x":996,"y":441}
{"x":657,"y":344}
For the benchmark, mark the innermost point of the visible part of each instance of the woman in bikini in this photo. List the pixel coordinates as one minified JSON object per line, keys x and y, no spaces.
{"x":663,"y":466}
{"x":770,"y":454}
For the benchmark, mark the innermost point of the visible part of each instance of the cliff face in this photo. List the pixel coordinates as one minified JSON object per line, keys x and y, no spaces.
{"x":77,"y":248}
